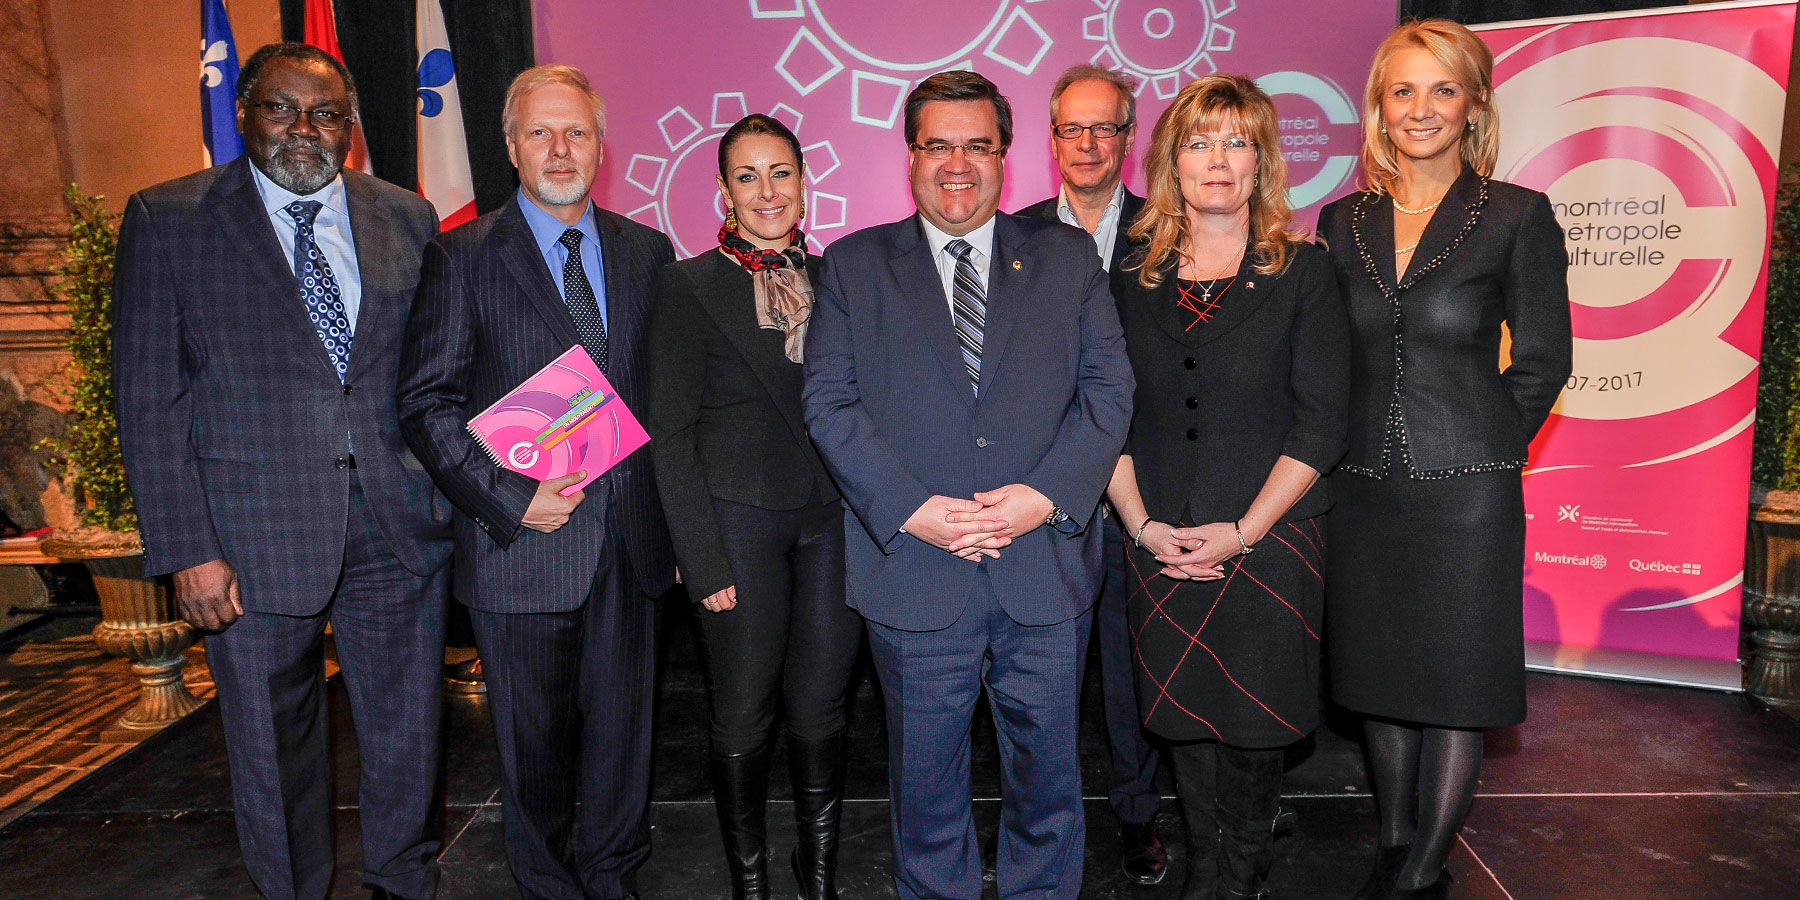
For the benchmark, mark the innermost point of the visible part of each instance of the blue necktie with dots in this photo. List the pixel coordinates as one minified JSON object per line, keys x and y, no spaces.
{"x":319,"y":288}
{"x":579,"y":295}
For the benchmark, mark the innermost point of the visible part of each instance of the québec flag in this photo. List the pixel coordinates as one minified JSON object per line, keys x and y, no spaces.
{"x":220,"y":142}
{"x":444,"y":176}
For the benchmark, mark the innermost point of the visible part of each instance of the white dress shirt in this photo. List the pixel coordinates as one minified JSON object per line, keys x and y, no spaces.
{"x":981,"y":239}
{"x":1107,"y":232}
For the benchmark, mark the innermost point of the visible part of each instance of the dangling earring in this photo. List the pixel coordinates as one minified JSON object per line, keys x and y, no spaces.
{"x":731,"y":218}
{"x":802,"y":207}
{"x":1384,"y":129}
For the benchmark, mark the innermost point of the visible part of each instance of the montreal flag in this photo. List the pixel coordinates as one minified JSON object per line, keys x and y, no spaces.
{"x":444,"y":176}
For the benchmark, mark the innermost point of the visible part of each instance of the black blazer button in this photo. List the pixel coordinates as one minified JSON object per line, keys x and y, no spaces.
{"x":1193,"y":434}
{"x":347,"y":390}
{"x":1193,"y":403}
{"x":1189,"y":363}
{"x":342,"y":462}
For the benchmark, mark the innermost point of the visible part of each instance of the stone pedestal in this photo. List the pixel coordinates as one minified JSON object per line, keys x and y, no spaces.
{"x":1772,"y":600}
{"x":138,"y":622}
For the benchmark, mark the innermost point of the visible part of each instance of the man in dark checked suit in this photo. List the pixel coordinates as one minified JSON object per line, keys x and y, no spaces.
{"x":558,"y":588}
{"x":260,"y":307}
{"x":1093,"y":118}
{"x":967,"y":385}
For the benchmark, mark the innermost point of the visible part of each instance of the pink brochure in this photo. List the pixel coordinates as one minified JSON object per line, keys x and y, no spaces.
{"x":565,"y":418}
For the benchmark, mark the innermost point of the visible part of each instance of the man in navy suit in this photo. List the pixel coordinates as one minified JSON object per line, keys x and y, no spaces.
{"x":1093,"y":118}
{"x":260,"y":306}
{"x":967,"y":385}
{"x":558,"y":588}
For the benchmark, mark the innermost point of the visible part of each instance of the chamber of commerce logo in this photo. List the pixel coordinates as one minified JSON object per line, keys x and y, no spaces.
{"x":1568,"y":513}
{"x":1166,"y":43}
{"x":1591,"y":560}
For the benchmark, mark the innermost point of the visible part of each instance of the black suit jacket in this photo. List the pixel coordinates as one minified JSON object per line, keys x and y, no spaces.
{"x":1128,"y":213}
{"x":1492,"y":253}
{"x":489,"y":315}
{"x":232,"y":420}
{"x":1218,"y":403}
{"x":725,"y":416}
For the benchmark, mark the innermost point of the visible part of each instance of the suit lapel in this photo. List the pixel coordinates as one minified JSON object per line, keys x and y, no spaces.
{"x":238,"y":209}
{"x":922,"y":291}
{"x":725,"y":298}
{"x":1455,"y":218}
{"x":624,"y":318}
{"x":1128,"y":211}
{"x":520,"y":251}
{"x":1372,"y":226}
{"x":1005,"y":300}
{"x":371,"y":231}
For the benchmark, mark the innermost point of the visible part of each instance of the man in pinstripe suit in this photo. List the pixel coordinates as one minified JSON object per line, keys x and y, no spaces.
{"x":260,"y":306}
{"x":558,"y":588}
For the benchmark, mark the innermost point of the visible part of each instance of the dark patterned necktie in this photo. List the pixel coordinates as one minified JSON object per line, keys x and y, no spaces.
{"x":319,"y":288}
{"x":579,"y":294}
{"x":968,"y":306}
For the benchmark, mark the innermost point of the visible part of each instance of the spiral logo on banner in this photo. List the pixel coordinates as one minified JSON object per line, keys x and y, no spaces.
{"x":838,"y":71}
{"x":1660,"y":193}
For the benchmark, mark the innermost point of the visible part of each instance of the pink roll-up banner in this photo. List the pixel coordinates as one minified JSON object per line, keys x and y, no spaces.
{"x":1656,"y":135}
{"x":677,"y":73}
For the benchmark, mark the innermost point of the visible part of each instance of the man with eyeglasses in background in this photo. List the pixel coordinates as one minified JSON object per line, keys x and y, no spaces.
{"x":967,"y":386}
{"x":1093,"y":118}
{"x":260,"y":306}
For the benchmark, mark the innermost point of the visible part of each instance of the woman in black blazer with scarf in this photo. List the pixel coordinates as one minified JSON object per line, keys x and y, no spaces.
{"x":1428,"y":537}
{"x":1236,"y":336}
{"x":756,"y":522}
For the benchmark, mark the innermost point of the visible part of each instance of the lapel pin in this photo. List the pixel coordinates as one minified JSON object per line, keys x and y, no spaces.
{"x":1249,"y":285}
{"x":1018,"y":265}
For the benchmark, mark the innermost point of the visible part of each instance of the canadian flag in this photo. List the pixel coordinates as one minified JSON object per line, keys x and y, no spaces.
{"x":444,"y":176}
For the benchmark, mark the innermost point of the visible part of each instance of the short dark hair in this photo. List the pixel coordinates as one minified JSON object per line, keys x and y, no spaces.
{"x":300,"y":53}
{"x":957,"y":86}
{"x":757,"y":123}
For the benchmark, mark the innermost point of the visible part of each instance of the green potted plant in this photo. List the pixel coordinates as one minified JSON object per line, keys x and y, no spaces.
{"x":1772,"y":554}
{"x":138,"y":619}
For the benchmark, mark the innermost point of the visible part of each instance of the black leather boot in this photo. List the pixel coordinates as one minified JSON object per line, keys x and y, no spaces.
{"x":1249,"y":801}
{"x":1196,"y":783}
{"x":741,"y":791}
{"x":817,"y":770}
{"x":1380,"y":883}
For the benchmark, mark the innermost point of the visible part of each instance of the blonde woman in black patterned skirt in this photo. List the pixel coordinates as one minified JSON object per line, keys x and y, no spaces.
{"x":1236,"y":335}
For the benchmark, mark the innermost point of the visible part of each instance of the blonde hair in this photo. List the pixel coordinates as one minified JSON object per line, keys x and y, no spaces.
{"x":1206,"y":104}
{"x":553,"y":73}
{"x":1463,"y":55}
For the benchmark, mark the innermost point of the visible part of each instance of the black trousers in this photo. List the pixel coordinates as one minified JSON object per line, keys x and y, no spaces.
{"x":571,"y":698}
{"x":1132,"y":784}
{"x":388,"y":626}
{"x":790,"y":641}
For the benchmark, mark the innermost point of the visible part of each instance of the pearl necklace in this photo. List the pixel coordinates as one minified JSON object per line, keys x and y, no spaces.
{"x":1414,"y":212}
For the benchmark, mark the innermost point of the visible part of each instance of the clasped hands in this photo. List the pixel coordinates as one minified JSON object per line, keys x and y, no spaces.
{"x":978,"y":528}
{"x":1192,"y":554}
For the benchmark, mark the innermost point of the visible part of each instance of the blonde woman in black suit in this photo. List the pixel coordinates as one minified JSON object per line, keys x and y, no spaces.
{"x":1428,"y":538}
{"x":756,"y":521}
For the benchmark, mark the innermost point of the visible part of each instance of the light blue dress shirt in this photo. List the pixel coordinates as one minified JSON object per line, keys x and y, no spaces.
{"x":548,"y":230}
{"x":331,"y":230}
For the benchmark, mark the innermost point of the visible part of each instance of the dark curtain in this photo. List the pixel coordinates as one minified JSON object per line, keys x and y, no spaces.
{"x":1470,"y":12}
{"x":491,"y":40}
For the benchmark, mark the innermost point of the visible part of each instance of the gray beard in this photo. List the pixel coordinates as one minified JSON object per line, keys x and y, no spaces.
{"x":301,"y":177}
{"x":561,"y":195}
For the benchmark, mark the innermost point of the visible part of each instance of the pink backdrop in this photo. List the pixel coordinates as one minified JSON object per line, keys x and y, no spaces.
{"x":1655,"y":136}
{"x":675,"y":74}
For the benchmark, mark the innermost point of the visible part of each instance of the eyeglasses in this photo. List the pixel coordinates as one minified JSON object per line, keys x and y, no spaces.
{"x":971,"y":152}
{"x":1070,"y":131}
{"x":1231,"y":145}
{"x":283,"y":114}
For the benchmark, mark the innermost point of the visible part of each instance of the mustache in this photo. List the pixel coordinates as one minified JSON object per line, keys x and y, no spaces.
{"x":289,"y":166}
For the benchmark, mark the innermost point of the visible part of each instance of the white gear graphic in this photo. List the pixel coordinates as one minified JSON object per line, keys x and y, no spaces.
{"x":832,"y":39}
{"x":685,"y":202}
{"x":1163,"y":42}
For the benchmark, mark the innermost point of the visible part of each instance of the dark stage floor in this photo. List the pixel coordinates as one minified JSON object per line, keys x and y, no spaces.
{"x":1611,"y":791}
